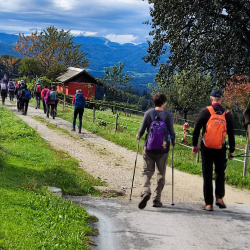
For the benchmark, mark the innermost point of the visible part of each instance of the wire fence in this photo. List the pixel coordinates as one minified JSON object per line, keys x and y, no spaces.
{"x":103,"y":116}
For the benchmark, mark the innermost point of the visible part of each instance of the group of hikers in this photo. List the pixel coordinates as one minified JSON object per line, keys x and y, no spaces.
{"x":215,"y":122}
{"x":46,"y":94}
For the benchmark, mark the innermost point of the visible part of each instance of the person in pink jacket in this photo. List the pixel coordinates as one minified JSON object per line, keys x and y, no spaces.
{"x":50,"y":100}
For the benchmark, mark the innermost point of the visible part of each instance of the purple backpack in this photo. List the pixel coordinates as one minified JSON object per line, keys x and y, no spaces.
{"x":157,"y":134}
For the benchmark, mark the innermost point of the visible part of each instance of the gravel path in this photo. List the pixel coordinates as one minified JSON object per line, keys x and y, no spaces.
{"x":114,"y":164}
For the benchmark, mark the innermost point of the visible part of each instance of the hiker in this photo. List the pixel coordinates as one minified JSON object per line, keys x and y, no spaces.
{"x":212,"y":153}
{"x":50,"y":102}
{"x":79,"y":104}
{"x":4,"y":89}
{"x":155,"y":152}
{"x":22,"y":83}
{"x":19,"y":87}
{"x":37,"y":90}
{"x":26,"y":96}
{"x":11,"y":87}
{"x":43,"y":94}
{"x":56,"y":101}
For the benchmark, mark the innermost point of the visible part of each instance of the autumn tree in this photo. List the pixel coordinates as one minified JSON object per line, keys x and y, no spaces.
{"x":237,"y":96}
{"x":51,"y":47}
{"x":9,"y":65}
{"x":212,"y":36}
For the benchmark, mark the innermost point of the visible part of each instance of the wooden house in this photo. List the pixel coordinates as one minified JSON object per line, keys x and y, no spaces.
{"x":76,"y":78}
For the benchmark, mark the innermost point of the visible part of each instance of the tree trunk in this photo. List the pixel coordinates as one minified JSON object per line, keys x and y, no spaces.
{"x":185,"y":115}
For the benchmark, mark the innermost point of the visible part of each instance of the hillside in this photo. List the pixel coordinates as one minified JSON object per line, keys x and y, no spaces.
{"x":103,"y":53}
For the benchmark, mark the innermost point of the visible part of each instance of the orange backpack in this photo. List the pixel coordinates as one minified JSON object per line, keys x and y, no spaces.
{"x":216,"y":130}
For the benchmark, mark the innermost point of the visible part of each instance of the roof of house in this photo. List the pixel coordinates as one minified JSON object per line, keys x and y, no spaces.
{"x":71,"y":73}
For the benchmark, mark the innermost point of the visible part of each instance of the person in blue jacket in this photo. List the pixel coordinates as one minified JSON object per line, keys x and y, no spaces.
{"x":79,"y":104}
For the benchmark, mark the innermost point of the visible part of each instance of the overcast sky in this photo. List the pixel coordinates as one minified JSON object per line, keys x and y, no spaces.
{"x":118,"y":20}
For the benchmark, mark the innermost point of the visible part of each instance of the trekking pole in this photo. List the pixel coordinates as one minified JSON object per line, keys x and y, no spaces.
{"x":172,"y":176}
{"x":134,"y":170}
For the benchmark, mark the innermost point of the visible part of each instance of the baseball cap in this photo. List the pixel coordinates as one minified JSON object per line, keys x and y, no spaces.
{"x":216,"y":93}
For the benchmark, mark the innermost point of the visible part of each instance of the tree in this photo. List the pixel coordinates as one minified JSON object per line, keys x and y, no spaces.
{"x":9,"y":65}
{"x":237,"y":94}
{"x":30,"y":67}
{"x":188,"y":91}
{"x":51,"y":47}
{"x":115,"y":80}
{"x":212,"y":36}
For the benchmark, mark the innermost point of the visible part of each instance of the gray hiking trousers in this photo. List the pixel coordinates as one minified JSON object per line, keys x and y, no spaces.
{"x":150,"y":161}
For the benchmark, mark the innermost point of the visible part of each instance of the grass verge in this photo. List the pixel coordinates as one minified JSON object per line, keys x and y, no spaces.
{"x":30,"y":216}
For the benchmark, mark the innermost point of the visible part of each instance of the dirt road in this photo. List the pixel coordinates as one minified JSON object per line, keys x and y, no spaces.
{"x":115,"y":164}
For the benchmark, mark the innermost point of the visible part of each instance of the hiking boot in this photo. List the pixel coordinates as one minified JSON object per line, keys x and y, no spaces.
{"x":80,"y":131}
{"x":73,"y":129}
{"x":157,"y":203}
{"x":144,"y":200}
{"x":207,"y":207}
{"x":220,"y":203}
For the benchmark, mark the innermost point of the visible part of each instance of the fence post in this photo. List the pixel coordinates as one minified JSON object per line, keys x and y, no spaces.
{"x":64,"y":100}
{"x":246,"y":151}
{"x":116,"y":122}
{"x":94,"y":113}
{"x":246,"y":160}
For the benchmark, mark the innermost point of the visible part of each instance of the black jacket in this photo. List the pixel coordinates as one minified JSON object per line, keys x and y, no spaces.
{"x":202,"y":120}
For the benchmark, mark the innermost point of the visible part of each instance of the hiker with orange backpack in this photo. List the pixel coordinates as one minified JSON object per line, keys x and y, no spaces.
{"x":216,"y":122}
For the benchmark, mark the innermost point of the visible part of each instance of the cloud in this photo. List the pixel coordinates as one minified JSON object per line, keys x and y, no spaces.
{"x":121,"y":20}
{"x":121,"y":38}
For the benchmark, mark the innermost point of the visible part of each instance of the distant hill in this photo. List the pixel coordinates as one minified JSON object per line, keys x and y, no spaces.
{"x":103,"y":53}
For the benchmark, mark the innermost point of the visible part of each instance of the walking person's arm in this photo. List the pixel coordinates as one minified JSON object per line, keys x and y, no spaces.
{"x":170,"y":126}
{"x":200,"y":124}
{"x":143,"y":125}
{"x":231,"y":137}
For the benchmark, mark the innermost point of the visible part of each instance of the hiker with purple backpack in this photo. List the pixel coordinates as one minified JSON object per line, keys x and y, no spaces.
{"x":160,"y":133}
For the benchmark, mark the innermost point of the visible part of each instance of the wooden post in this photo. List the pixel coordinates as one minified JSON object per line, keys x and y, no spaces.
{"x":246,"y":160}
{"x":94,"y":113}
{"x":116,"y":122}
{"x":64,"y":101}
{"x":246,"y":151}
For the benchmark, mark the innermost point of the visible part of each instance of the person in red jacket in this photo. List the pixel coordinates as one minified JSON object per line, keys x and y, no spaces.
{"x":43,"y":94}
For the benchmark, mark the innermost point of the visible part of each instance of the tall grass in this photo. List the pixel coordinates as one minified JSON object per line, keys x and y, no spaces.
{"x":30,"y":216}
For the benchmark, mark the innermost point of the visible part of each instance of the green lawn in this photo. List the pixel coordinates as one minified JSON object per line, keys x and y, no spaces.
{"x":30,"y":216}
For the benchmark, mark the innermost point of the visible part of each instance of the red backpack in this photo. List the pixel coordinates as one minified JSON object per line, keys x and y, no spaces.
{"x":216,"y":129}
{"x":38,"y":88}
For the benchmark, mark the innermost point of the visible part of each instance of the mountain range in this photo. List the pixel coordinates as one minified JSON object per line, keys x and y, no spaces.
{"x":103,"y":53}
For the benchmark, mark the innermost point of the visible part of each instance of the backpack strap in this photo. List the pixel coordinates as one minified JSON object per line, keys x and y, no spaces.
{"x":212,"y":112}
{"x":153,"y":115}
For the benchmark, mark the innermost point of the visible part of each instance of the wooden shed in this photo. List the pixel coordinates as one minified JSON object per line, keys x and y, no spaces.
{"x":76,"y":78}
